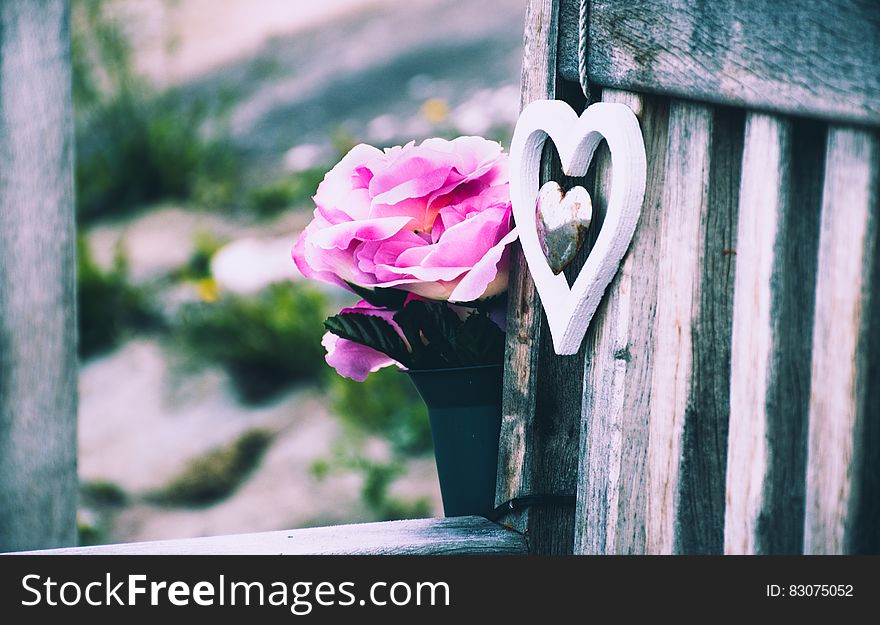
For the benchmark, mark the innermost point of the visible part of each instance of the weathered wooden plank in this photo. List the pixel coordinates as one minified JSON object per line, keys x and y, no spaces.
{"x":763,"y":194}
{"x":555,"y":442}
{"x":558,"y":395}
{"x":569,"y":39}
{"x":684,"y":206}
{"x":38,"y":481}
{"x":657,"y":376}
{"x":811,"y":57}
{"x":616,"y":395}
{"x":452,"y":536}
{"x":539,"y":442}
{"x":700,"y":509}
{"x":538,"y":78}
{"x":516,"y":459}
{"x":538,"y":449}
{"x":776,"y":254}
{"x":843,"y":468}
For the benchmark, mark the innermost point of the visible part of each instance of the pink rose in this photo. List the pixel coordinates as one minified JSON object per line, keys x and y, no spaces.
{"x":433,"y":219}
{"x":353,"y":360}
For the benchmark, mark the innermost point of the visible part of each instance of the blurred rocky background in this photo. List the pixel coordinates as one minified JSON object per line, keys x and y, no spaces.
{"x":203,"y":129}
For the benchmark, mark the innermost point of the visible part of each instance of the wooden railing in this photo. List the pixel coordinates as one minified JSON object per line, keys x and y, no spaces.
{"x":453,"y":536}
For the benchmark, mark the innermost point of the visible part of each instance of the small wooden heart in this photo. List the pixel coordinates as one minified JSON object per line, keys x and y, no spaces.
{"x":563,"y":220}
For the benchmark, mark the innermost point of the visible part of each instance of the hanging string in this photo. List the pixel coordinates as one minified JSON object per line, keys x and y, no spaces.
{"x":583,"y":19}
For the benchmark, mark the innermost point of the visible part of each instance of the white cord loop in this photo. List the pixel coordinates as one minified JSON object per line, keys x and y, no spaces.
{"x":582,"y":48}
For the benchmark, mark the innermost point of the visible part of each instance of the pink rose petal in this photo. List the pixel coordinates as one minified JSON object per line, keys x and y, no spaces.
{"x":353,"y":360}
{"x":356,"y":361}
{"x":337,"y":183}
{"x":483,"y":275}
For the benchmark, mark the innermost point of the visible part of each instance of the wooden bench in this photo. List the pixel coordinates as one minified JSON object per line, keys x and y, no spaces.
{"x":727,"y":396}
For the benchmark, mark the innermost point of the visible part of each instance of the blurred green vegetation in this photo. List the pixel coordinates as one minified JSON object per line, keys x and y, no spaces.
{"x":139,"y":149}
{"x":216,"y":475}
{"x":90,"y":531}
{"x":198,"y":267}
{"x":378,"y":477}
{"x":134,"y":145}
{"x":266,"y":342}
{"x":268,"y":200}
{"x":99,"y":502}
{"x":385,"y":404}
{"x":102,"y":493}
{"x":109,"y":306}
{"x":100,"y":54}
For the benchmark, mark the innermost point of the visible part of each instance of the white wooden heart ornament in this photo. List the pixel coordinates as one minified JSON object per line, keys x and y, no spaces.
{"x":569,"y":310}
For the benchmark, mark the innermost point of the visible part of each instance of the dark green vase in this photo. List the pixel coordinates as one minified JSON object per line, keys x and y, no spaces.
{"x":464,"y":407}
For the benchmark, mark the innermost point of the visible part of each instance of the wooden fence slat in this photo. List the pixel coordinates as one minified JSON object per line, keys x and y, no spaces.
{"x":617,"y":372}
{"x":700,"y":508}
{"x":453,"y":536}
{"x":657,"y":372}
{"x":684,"y":206}
{"x":809,"y":57}
{"x":773,"y":303}
{"x":38,"y":480}
{"x":764,"y":182}
{"x":843,"y":468}
{"x":516,"y":455}
{"x":539,"y":433}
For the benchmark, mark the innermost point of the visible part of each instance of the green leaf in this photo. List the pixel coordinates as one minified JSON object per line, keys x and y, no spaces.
{"x":430,"y":327}
{"x":480,"y":341}
{"x":381,"y":298}
{"x":485,"y":304}
{"x":371,"y":331}
{"x":441,"y":328}
{"x":411,"y":319}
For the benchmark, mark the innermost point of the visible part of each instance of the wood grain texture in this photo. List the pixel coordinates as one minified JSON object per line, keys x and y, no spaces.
{"x":842,"y":467}
{"x":453,"y":536}
{"x":542,"y":392}
{"x":568,"y":40}
{"x":764,"y":190}
{"x":38,"y":480}
{"x":538,"y":77}
{"x":617,"y":371}
{"x":684,"y":206}
{"x":517,"y":455}
{"x":700,"y":509}
{"x":813,"y":57}
{"x":657,"y":373}
{"x":776,"y":257}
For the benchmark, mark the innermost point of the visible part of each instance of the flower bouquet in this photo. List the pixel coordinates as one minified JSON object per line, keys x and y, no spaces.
{"x":421,"y":234}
